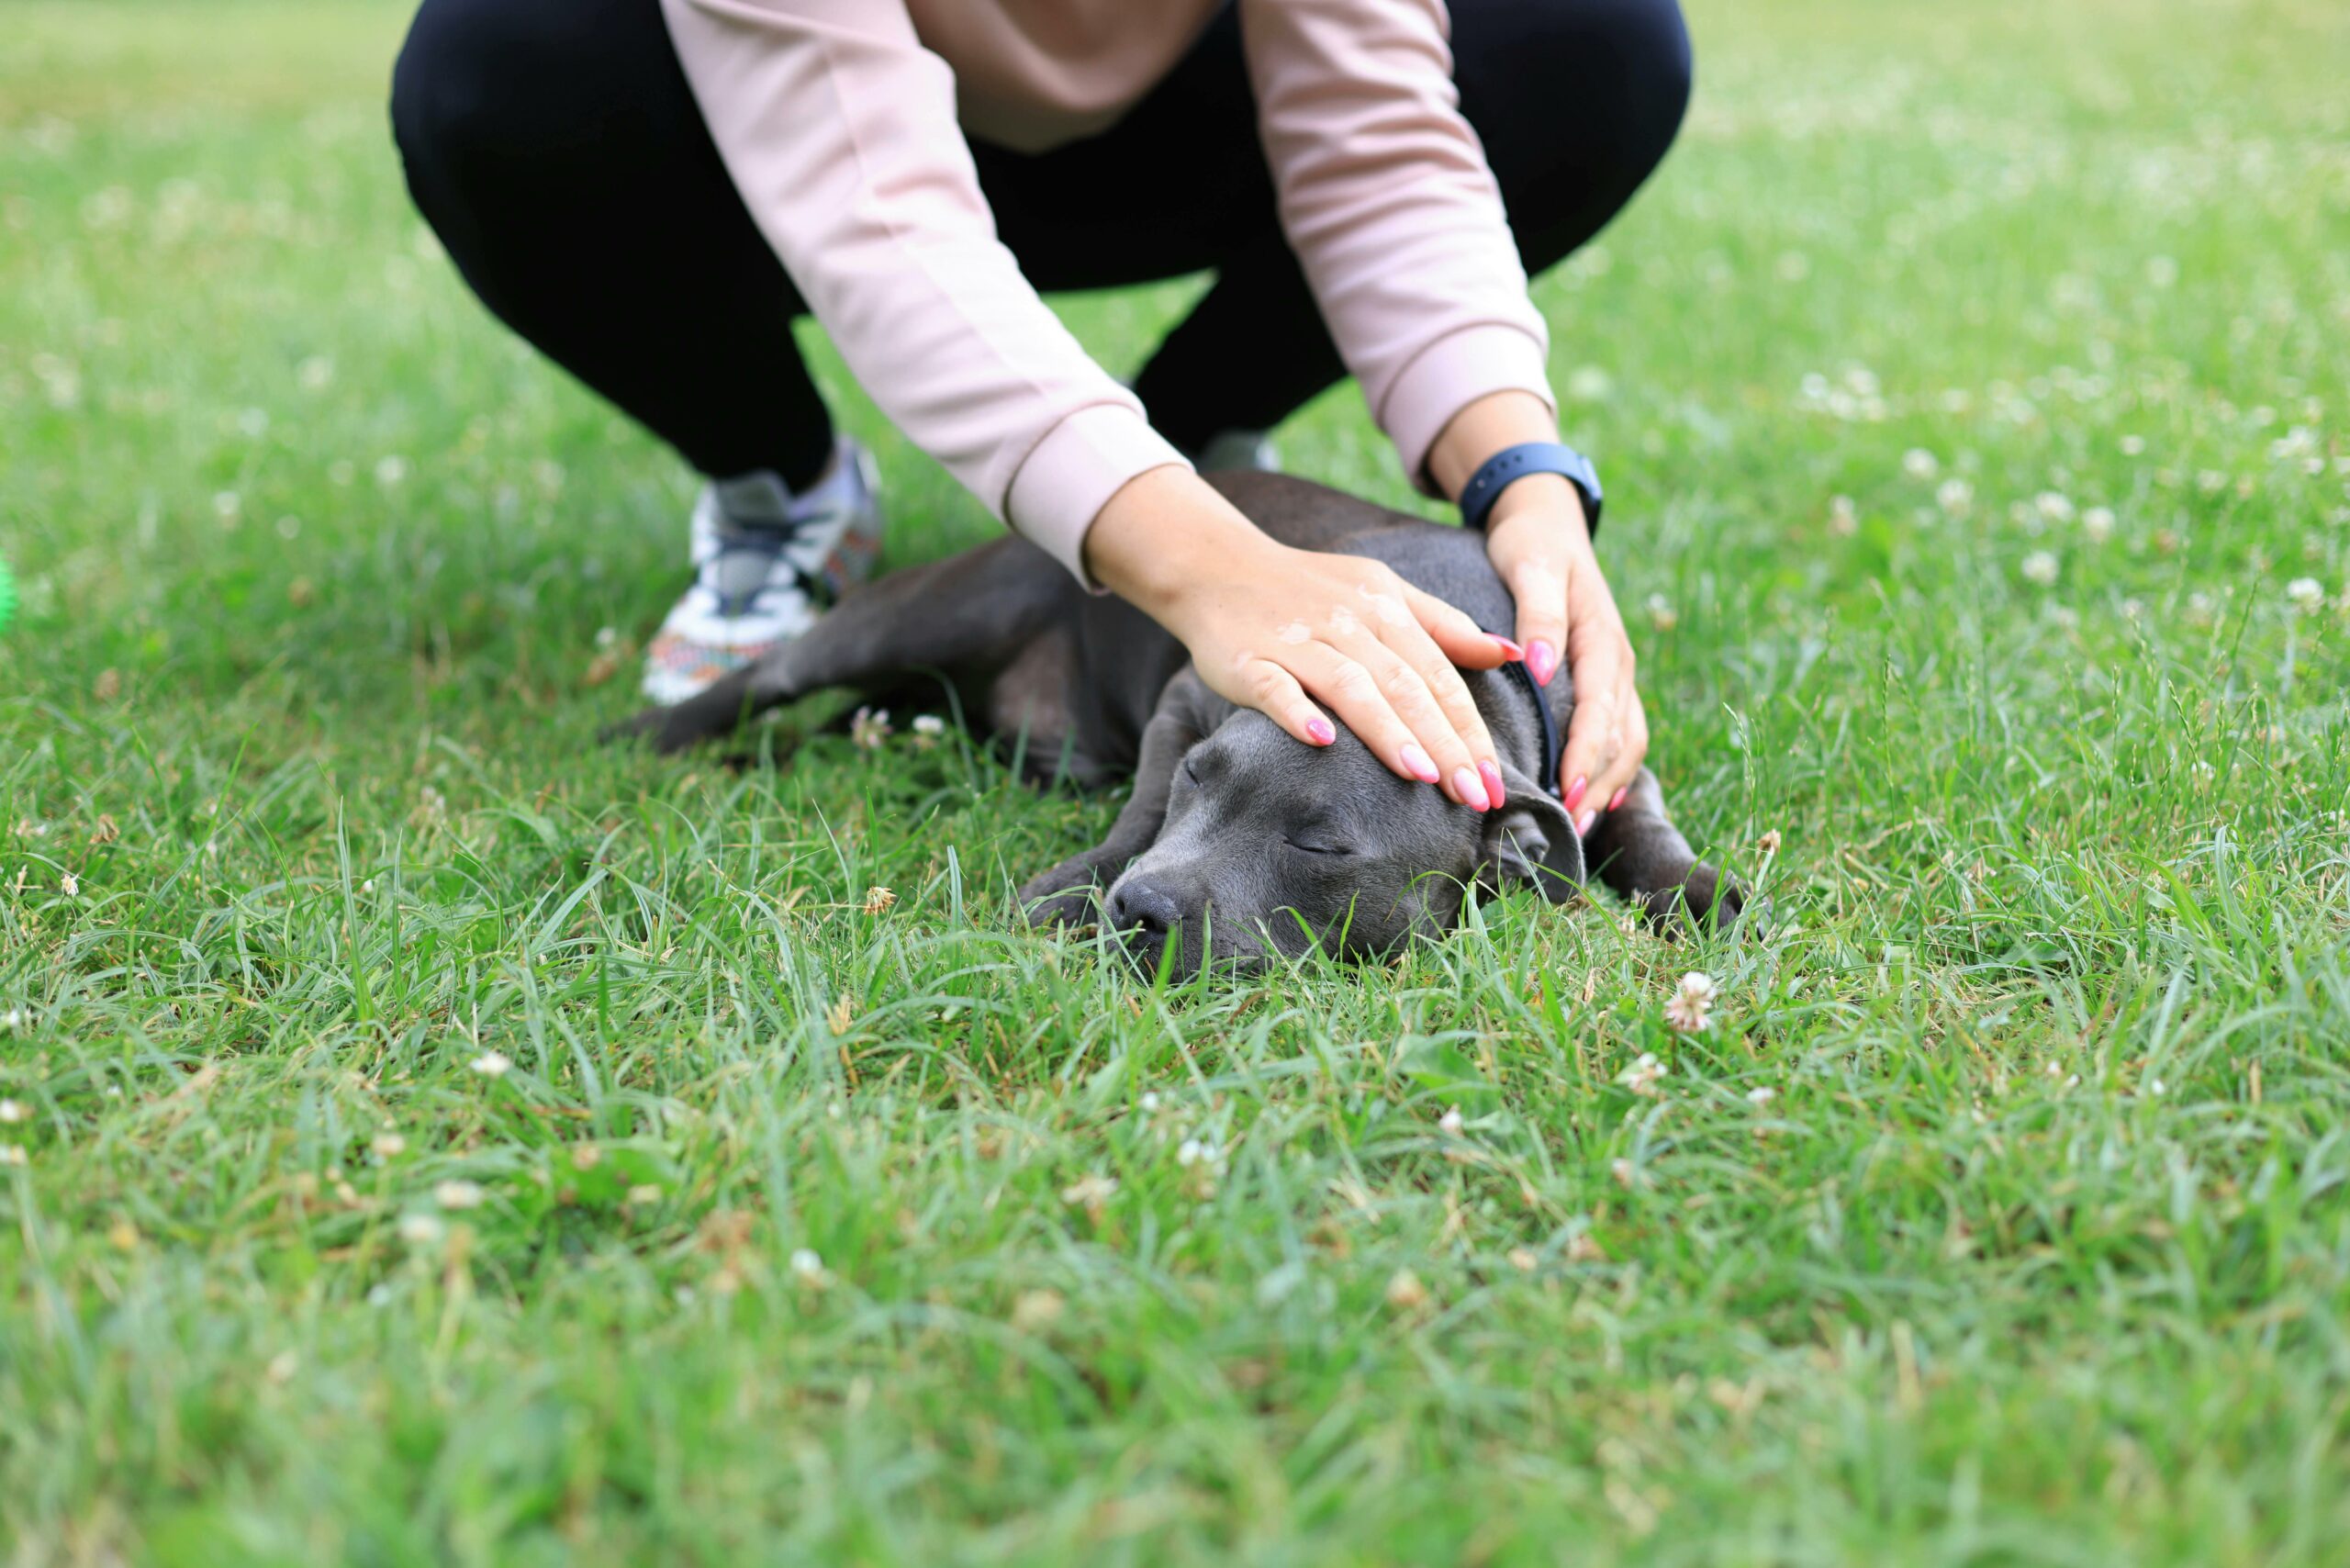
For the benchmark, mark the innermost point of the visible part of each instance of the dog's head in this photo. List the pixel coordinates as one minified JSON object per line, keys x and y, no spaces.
{"x":1272,"y":847}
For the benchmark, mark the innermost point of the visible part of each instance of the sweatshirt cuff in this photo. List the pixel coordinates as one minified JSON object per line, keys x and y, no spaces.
{"x":1069,"y":477}
{"x":1449,"y":375}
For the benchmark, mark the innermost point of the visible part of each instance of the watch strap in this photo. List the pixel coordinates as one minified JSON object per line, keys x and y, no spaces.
{"x":1511,"y":463}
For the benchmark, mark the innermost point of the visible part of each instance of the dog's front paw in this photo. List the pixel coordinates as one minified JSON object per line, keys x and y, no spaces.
{"x":1069,"y":895}
{"x":1707,"y":899}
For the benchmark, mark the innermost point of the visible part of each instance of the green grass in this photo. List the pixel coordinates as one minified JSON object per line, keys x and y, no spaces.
{"x":2038,"y":1252}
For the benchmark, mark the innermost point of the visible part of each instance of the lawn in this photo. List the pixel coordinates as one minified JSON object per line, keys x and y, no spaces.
{"x":426,"y":1135}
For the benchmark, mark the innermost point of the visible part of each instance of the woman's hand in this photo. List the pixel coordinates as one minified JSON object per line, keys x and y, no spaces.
{"x":1281,"y":630}
{"x":1538,"y":540}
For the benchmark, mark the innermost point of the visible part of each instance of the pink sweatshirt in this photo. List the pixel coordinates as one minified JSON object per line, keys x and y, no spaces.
{"x":842,"y":123}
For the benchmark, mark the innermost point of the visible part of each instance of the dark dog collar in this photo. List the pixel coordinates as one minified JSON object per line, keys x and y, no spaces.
{"x":1548,"y":776}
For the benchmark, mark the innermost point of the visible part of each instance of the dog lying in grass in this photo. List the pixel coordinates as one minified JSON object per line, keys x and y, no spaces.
{"x":1239,"y":843}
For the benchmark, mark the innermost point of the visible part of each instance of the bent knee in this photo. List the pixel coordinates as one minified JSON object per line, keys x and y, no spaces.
{"x":444,"y":107}
{"x":481,"y":83}
{"x":1624,"y":67}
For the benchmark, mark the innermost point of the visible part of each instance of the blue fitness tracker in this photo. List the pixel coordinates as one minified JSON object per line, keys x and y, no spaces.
{"x":1512,"y":463}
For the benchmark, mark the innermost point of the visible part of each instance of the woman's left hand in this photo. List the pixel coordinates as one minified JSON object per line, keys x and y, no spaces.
{"x":1540,"y":542}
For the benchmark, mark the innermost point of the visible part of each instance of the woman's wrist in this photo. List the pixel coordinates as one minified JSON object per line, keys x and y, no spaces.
{"x":1165,"y":534}
{"x":1495,"y":422}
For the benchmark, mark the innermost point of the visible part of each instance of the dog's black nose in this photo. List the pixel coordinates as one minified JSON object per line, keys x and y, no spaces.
{"x":1144,"y":912}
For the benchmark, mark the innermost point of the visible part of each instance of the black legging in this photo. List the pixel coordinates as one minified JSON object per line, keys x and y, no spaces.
{"x":554,"y":146}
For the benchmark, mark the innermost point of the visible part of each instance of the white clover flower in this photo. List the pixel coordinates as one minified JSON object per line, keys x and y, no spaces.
{"x":1920,"y":464}
{"x":1762,"y":1094}
{"x":492,"y":1064}
{"x":1199,"y":1151}
{"x":1692,"y":1000}
{"x":12,"y":1111}
{"x":1622,"y":1171}
{"x":1589,"y":384}
{"x":2053,"y":505}
{"x":806,"y":1265}
{"x":459,"y":1194}
{"x":421,"y":1229}
{"x":1955,"y":496}
{"x":2096,"y":523}
{"x":929,"y":724}
{"x":1843,"y":520}
{"x":227,"y":505}
{"x":390,"y":469}
{"x":1641,"y":1077}
{"x":1662,"y":615}
{"x":10,"y":1154}
{"x":1090,"y":1191}
{"x":2039,"y":568}
{"x":2307,"y":594}
{"x":1450,"y":1121}
{"x":869,"y":728}
{"x":69,"y":885}
{"x":2134,"y":447}
{"x":2300,"y":442}
{"x":1149,"y":1100}
{"x":389,"y":1146}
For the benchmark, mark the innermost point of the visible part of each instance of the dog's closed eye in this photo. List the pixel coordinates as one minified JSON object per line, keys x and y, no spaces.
{"x":1311,"y":848}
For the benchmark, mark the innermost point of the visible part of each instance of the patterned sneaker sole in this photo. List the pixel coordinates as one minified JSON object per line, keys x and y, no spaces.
{"x":850,"y":562}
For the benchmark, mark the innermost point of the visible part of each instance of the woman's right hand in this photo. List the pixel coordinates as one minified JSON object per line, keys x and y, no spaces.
{"x":1280,"y":630}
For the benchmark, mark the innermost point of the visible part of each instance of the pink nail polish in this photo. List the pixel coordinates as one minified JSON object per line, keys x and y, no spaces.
{"x":1495,"y":793}
{"x":1583,"y":823}
{"x":1318,"y":731}
{"x":1616,"y":800}
{"x":1573,"y":796}
{"x":1509,"y":649}
{"x":1417,"y":764}
{"x":1472,"y":793}
{"x":1541,"y":661}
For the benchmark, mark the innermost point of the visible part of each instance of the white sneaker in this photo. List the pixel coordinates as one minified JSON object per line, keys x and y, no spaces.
{"x":767,"y":563}
{"x":1238,"y":449}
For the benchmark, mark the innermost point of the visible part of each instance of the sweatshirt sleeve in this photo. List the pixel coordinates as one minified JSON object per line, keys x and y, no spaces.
{"x":1386,"y":198}
{"x":839,"y":130}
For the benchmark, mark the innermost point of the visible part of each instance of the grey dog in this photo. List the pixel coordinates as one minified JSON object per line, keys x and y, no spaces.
{"x":1239,"y":843}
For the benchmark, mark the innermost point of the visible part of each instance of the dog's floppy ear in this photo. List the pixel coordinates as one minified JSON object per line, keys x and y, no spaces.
{"x":1531,"y":840}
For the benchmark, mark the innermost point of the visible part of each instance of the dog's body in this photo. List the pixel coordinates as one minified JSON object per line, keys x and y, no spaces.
{"x":1238,"y":839}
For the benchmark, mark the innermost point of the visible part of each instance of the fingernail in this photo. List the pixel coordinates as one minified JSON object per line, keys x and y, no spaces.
{"x":1417,"y":764}
{"x":1573,"y":796}
{"x":1616,"y":799}
{"x":1318,"y":731}
{"x":1509,"y":649}
{"x":1493,"y":790}
{"x":1541,"y":661}
{"x":1472,"y":793}
{"x":1583,"y":823}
